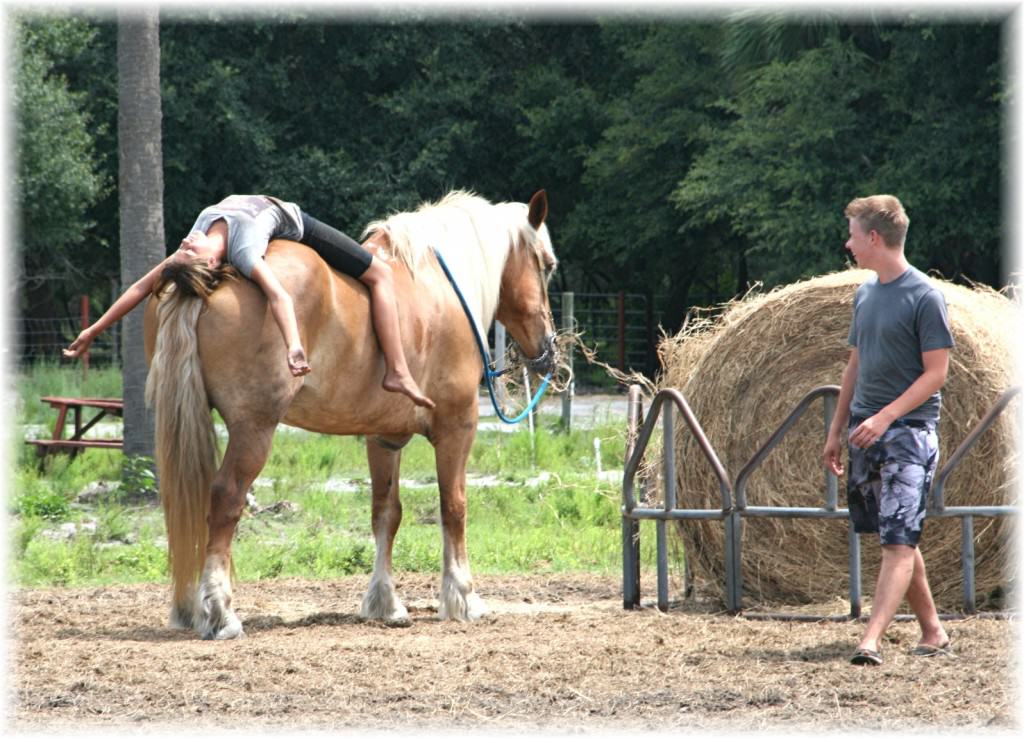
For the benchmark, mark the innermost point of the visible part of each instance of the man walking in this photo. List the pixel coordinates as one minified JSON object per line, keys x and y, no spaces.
{"x":890,"y":401}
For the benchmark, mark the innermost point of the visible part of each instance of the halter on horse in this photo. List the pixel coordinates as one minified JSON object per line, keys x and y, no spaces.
{"x":226,"y":355}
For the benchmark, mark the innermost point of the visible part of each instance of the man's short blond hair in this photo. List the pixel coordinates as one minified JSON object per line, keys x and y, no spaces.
{"x":883,"y":214}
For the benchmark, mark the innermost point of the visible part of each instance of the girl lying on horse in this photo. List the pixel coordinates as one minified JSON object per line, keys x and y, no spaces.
{"x":237,"y":231}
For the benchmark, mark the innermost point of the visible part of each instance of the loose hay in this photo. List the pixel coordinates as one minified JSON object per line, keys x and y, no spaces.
{"x":560,"y":657}
{"x":513,"y":388}
{"x":744,"y":370}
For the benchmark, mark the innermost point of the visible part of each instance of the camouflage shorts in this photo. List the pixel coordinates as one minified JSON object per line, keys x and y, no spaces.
{"x":887,"y":488}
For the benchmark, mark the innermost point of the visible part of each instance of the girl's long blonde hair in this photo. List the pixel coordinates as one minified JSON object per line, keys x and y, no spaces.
{"x":193,"y":278}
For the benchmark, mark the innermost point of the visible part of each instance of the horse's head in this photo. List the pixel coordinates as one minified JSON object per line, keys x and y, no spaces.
{"x":523,"y":306}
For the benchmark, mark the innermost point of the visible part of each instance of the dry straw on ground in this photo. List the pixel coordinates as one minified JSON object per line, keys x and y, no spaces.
{"x":745,"y":369}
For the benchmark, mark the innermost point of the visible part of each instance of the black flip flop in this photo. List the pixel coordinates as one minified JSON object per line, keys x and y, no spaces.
{"x":924,"y":649}
{"x":866,"y":657}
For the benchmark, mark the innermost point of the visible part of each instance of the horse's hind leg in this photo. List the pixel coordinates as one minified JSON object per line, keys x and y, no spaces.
{"x":381,"y":601}
{"x":458,"y":600}
{"x":247,"y":451}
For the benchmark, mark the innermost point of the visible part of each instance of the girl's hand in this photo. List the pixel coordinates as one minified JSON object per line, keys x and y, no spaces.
{"x":297,"y":363}
{"x":79,"y":346}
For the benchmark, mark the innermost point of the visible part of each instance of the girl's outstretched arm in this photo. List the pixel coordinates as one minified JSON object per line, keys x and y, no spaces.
{"x":121,"y":307}
{"x":283,"y":309}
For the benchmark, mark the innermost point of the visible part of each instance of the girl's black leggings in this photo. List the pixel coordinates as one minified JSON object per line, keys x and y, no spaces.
{"x":337,"y":249}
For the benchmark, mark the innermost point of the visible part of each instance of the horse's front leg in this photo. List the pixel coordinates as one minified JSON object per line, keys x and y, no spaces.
{"x":381,"y":601}
{"x":247,"y":451}
{"x":458,"y":600}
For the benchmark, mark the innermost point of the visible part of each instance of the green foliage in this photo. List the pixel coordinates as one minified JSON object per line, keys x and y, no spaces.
{"x":685,"y":158}
{"x":57,"y":177}
{"x":60,"y":380}
{"x":781,"y":172}
{"x":137,"y":477}
{"x":534,"y":504}
{"x":836,"y":122}
{"x":37,"y":498}
{"x":82,"y":561}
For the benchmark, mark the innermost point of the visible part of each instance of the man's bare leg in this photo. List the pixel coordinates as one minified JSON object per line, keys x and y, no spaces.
{"x":894,"y":577}
{"x":919,"y":595}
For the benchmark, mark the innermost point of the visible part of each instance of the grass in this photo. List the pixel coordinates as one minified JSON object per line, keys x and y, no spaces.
{"x":535,"y":505}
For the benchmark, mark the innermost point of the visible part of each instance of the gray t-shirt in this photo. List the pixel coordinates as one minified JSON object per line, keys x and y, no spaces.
{"x":893,"y":324}
{"x":253,"y":221}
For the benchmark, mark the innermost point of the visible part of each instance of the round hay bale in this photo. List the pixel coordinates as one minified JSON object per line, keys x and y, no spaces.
{"x":743,"y":372}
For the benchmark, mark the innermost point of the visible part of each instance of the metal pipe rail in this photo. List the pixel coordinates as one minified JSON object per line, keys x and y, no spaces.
{"x":663,"y":405}
{"x":734,"y":532}
{"x":937,"y":504}
{"x":733,"y":513}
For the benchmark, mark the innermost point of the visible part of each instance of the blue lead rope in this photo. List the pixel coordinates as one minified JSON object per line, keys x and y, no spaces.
{"x":489,"y":371}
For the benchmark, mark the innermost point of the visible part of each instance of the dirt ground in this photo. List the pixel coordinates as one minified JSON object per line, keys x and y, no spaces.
{"x":559,"y":653}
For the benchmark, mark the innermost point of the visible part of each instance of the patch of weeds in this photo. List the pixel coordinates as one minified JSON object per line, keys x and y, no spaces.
{"x":260,"y":561}
{"x":114,"y":523}
{"x":565,"y":506}
{"x":59,"y":563}
{"x":24,"y":532}
{"x":354,"y":558}
{"x":417,"y":548}
{"x":37,"y":498}
{"x":144,"y":562}
{"x":138,"y":479}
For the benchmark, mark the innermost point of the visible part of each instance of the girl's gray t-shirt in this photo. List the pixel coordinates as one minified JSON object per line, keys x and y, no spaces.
{"x":893,"y":324}
{"x":253,"y":221}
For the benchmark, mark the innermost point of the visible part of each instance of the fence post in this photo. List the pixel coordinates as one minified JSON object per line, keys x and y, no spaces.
{"x":630,"y":526}
{"x":499,"y":359}
{"x":531,"y":416}
{"x":967,"y":555}
{"x":568,"y":324}
{"x":669,"y":480}
{"x":622,"y":330}
{"x":85,"y":324}
{"x":650,"y":355}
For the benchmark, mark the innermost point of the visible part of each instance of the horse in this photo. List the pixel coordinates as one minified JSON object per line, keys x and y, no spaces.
{"x":225,"y":353}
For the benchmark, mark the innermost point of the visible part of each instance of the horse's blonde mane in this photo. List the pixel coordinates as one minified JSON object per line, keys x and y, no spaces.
{"x":473,"y":235}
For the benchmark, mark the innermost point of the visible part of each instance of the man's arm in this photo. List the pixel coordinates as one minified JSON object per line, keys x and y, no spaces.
{"x":833,"y":443}
{"x":936,"y":366}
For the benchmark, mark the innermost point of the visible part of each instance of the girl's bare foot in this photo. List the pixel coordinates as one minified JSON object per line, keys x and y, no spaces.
{"x":395,"y":382}
{"x":297,"y":363}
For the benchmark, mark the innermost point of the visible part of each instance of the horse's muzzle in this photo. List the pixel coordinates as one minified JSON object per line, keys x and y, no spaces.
{"x":546,"y":361}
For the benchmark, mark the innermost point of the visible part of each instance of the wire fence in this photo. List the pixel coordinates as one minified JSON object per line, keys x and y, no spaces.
{"x":619,"y":326}
{"x":42,"y":339}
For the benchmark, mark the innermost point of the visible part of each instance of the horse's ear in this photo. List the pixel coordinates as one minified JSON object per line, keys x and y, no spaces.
{"x":538,"y":208}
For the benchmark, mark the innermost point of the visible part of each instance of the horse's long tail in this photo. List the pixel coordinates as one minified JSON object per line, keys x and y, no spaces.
{"x":186,"y":444}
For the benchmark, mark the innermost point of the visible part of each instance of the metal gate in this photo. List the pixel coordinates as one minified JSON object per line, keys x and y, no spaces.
{"x":734,"y":506}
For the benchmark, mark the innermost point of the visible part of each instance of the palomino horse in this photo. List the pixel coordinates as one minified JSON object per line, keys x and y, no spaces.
{"x":227,"y":354}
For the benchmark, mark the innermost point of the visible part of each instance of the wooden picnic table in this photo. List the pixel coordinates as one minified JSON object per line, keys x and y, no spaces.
{"x":77,"y":443}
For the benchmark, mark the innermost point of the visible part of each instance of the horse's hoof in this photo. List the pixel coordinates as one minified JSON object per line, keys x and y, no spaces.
{"x":229,"y":632}
{"x":180,"y":619}
{"x":475,"y":608}
{"x":398,"y":622}
{"x":382,"y":603}
{"x":465,"y":609}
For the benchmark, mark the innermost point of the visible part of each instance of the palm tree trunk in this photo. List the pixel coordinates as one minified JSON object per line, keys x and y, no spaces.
{"x":140,"y":187}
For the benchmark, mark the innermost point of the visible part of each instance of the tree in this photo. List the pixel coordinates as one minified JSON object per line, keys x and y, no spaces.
{"x":685,"y":158}
{"x":57,"y":178}
{"x":915,"y":114}
{"x":140,"y":185}
{"x":625,"y":228}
